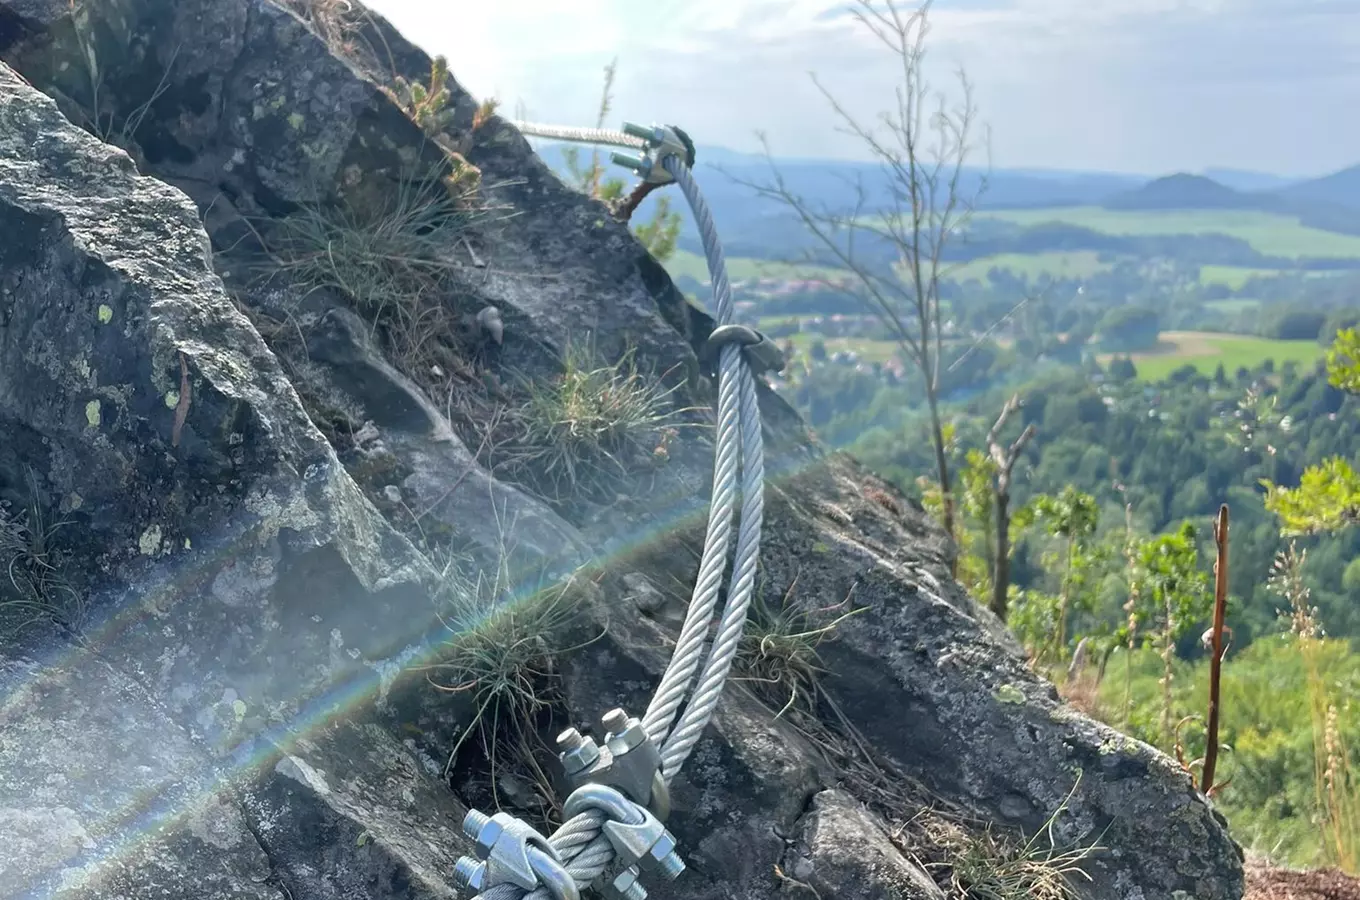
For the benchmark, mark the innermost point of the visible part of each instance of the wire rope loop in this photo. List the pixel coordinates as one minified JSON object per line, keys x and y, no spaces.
{"x":602,"y":826}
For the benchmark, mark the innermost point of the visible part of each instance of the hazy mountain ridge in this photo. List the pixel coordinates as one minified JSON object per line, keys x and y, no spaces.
{"x":755,"y":225}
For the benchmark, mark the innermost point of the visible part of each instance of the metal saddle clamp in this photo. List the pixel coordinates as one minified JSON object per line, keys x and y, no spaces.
{"x":762,"y":354}
{"x":639,"y":840}
{"x":513,"y":852}
{"x":662,"y":141}
{"x":629,"y":761}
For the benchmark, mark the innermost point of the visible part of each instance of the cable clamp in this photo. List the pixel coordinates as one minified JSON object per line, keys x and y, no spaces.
{"x":662,"y":141}
{"x":511,"y":851}
{"x":629,"y":761}
{"x":762,"y":354}
{"x":640,"y":841}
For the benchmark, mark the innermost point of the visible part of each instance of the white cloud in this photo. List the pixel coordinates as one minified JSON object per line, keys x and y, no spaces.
{"x":1135,"y":85}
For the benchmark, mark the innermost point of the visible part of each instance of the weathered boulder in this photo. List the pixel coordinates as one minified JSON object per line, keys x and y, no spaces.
{"x":208,"y":524}
{"x":349,"y":811}
{"x":259,"y":585}
{"x":842,"y":850}
{"x":103,"y":795}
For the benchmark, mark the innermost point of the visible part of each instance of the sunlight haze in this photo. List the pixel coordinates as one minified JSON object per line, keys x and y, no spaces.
{"x":1118,"y":85}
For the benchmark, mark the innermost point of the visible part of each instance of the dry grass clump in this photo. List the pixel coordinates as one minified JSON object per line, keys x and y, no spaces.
{"x":32,"y":589}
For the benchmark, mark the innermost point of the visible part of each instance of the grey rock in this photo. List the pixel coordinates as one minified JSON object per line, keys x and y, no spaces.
{"x":347,"y":811}
{"x":103,"y":796}
{"x":929,"y":686}
{"x":446,"y":483}
{"x":203,"y":533}
{"x":842,"y":851}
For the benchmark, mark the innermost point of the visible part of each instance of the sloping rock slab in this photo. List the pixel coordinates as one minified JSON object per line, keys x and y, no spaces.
{"x":926,"y":684}
{"x":348,"y":812}
{"x":843,"y":852}
{"x":103,"y":797}
{"x":227,"y":555}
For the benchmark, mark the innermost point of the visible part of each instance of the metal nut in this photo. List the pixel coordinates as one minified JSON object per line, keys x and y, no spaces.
{"x":625,"y":886}
{"x":662,"y":857}
{"x":578,"y":753}
{"x":470,"y":874}
{"x":483,"y":829}
{"x":631,"y":736}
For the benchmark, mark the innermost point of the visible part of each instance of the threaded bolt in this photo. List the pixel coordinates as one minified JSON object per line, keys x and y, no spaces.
{"x":569,"y":740}
{"x":671,"y":865}
{"x":474,"y":822}
{"x":615,"y":720}
{"x":469,"y":873}
{"x":626,"y":886}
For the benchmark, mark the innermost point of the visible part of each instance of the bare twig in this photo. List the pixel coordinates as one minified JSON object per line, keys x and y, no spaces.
{"x":182,"y":405}
{"x":921,"y":145}
{"x":1005,"y":458}
{"x":1216,"y":648}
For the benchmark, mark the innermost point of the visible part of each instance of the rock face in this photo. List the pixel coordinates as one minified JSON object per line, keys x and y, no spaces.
{"x":260,"y":480}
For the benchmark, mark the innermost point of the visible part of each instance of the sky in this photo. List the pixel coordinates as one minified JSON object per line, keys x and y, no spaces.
{"x":1139,"y":86}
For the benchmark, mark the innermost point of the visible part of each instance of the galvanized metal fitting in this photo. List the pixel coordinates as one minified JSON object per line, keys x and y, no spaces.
{"x":662,"y":141}
{"x":629,"y":761}
{"x":577,"y":752}
{"x":623,"y":886}
{"x":470,"y":874}
{"x":637,"y":836}
{"x":512,"y":852}
{"x":762,"y":354}
{"x":622,"y":732}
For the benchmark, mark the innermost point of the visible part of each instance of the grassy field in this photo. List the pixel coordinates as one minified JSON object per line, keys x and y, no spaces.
{"x":1272,"y":234}
{"x":741,"y":268}
{"x":1205,"y":350}
{"x":1233,"y":305}
{"x":1232,"y":277}
{"x":868,"y":350}
{"x":1058,"y":264}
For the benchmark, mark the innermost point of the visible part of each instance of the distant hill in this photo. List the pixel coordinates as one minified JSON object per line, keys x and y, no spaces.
{"x":1243,"y":180}
{"x":762,"y":227}
{"x":831,"y":181}
{"x":1338,"y":189}
{"x":1182,"y":191}
{"x":1329,"y":204}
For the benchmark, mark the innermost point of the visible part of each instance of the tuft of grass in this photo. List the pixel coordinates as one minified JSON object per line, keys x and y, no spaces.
{"x":984,"y":865}
{"x":1335,"y":789}
{"x":395,"y":260}
{"x":337,"y":23}
{"x":387,"y":258}
{"x":32,"y":589}
{"x":591,"y":421}
{"x":501,"y":646}
{"x":778,"y":649}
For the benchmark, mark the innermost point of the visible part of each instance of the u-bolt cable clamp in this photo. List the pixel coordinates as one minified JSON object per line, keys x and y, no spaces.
{"x":662,"y":141}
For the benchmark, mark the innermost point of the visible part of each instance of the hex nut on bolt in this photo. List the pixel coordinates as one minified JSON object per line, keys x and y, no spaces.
{"x":625,"y":886}
{"x":483,"y":829}
{"x":470,"y":874}
{"x":625,"y":731}
{"x":578,"y":753}
{"x":661,"y":857}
